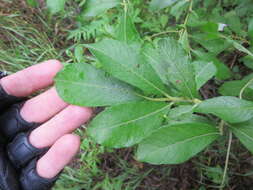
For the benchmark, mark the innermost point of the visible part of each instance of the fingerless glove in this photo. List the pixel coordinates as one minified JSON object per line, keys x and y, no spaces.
{"x":18,"y":157}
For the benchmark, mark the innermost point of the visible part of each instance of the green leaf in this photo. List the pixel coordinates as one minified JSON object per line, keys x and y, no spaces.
{"x":84,"y":85}
{"x":164,"y":19}
{"x":250,"y":30}
{"x":32,"y":3}
{"x":79,"y":54}
{"x":204,"y":71}
{"x":247,"y":61}
{"x":210,"y":29}
{"x":156,"y":5}
{"x":213,"y":45}
{"x":244,"y":132}
{"x":125,"y":62}
{"x":180,"y":111}
{"x":171,"y":63}
{"x":230,"y":109}
{"x":234,"y":22}
{"x":126,"y":30}
{"x":56,"y":6}
{"x":184,"y":41}
{"x":127,"y":124}
{"x":222,"y":72}
{"x":178,"y":9}
{"x":176,"y":143}
{"x":184,"y":113}
{"x":96,"y":7}
{"x":239,"y":47}
{"x":233,"y":88}
{"x":195,"y":20}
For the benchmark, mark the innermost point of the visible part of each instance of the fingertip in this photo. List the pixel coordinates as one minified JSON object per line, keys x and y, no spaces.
{"x":63,"y":123}
{"x":55,"y":64}
{"x":58,"y":156}
{"x":41,"y":108}
{"x":69,"y":141}
{"x":31,"y":79}
{"x":82,"y":113}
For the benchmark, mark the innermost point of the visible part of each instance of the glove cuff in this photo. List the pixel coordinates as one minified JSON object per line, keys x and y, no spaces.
{"x":30,"y":179}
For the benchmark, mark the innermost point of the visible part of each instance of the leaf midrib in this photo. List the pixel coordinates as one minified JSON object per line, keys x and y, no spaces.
{"x":203,"y":69}
{"x":132,"y":71}
{"x":184,"y":141}
{"x":133,"y":120}
{"x":92,"y":85}
{"x":247,"y":136}
{"x":184,"y":80}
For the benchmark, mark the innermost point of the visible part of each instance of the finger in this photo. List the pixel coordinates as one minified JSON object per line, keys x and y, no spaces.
{"x":25,"y":146}
{"x":21,"y":118}
{"x":33,"y":78}
{"x":42,"y":107}
{"x":58,"y":156}
{"x":63,"y":123}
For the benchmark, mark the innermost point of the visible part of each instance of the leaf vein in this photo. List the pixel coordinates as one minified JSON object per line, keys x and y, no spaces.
{"x":136,"y":119}
{"x":132,"y":71}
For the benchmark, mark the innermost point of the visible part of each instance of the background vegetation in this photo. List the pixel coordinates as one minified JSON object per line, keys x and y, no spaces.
{"x":32,"y":31}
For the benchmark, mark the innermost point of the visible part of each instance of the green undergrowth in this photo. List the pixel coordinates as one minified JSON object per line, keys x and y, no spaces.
{"x":88,"y":172}
{"x":22,"y":44}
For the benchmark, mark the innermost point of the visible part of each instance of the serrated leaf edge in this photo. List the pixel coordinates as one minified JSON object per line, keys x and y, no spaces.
{"x":178,"y":70}
{"x":132,"y":71}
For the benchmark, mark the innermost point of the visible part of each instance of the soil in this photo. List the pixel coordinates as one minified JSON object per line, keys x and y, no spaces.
{"x":187,"y":176}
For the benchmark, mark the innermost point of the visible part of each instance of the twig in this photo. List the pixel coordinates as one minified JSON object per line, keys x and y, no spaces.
{"x":233,"y":62}
{"x":221,"y":127}
{"x":243,"y":89}
{"x":171,"y":99}
{"x":227,"y":160}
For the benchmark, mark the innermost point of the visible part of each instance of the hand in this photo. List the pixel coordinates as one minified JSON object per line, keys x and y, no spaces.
{"x":52,"y":139}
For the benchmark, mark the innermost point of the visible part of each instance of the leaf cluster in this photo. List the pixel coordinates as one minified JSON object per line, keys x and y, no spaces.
{"x":150,"y":80}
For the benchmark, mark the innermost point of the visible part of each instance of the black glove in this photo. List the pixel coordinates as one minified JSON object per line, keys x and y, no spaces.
{"x":18,"y":157}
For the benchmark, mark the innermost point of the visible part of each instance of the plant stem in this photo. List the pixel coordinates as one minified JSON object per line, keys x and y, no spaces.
{"x":245,"y":86}
{"x":165,"y":32}
{"x":227,"y":160}
{"x":172,"y":99}
{"x":240,"y":38}
{"x":221,"y":127}
{"x":188,"y":14}
{"x":125,"y":5}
